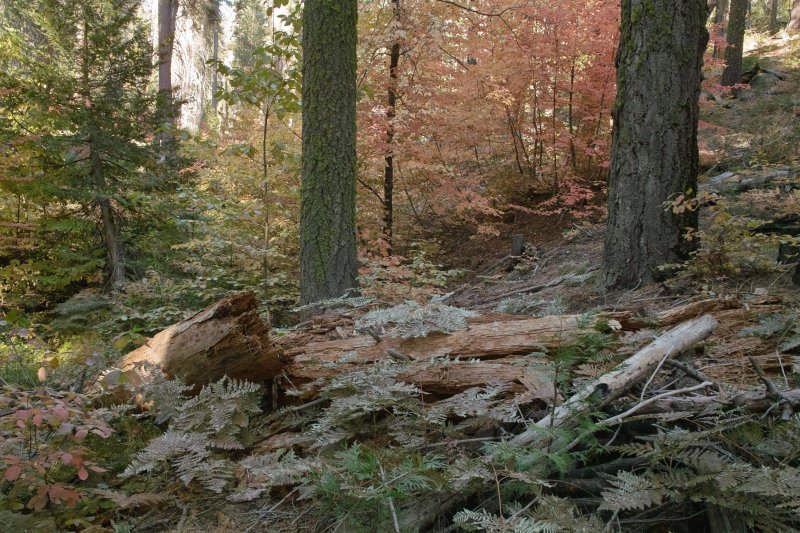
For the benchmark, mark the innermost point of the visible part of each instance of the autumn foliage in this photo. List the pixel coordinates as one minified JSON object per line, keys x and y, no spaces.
{"x":502,"y":105}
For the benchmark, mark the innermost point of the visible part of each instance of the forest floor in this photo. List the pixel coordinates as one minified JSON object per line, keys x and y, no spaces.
{"x":754,"y":137}
{"x":750,"y":154}
{"x":756,"y":134}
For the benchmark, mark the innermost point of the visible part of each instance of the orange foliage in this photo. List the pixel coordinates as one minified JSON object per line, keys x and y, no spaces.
{"x":501,"y":102}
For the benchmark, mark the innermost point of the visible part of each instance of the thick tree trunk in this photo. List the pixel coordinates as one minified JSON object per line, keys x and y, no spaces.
{"x":735,"y":37}
{"x":328,"y":265}
{"x":391,"y":112}
{"x":227,"y":338}
{"x":794,"y":18}
{"x":654,"y":154}
{"x":167,"y":18}
{"x":773,"y":16}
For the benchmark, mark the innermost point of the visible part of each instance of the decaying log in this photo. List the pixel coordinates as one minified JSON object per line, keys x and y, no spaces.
{"x":612,"y":385}
{"x":751,"y":402}
{"x":498,"y":344}
{"x":227,"y":338}
{"x":679,"y":314}
{"x":607,"y":388}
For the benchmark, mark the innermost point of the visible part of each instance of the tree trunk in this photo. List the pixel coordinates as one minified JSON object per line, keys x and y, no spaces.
{"x":328,"y":265}
{"x":721,"y":20}
{"x":215,"y":56}
{"x":167,"y":17}
{"x":391,"y":112}
{"x":116,"y":255}
{"x":654,"y":154}
{"x":773,"y":16}
{"x":735,"y":37}
{"x":794,"y":18}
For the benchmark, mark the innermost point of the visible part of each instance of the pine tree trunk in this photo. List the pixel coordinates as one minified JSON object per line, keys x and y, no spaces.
{"x":391,"y":112}
{"x":167,"y":18}
{"x":735,"y":37}
{"x":654,"y":154}
{"x":327,"y":215}
{"x":794,"y":18}
{"x":773,"y":17}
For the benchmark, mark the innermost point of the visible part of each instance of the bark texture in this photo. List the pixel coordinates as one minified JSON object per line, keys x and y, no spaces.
{"x":654,"y":154}
{"x":735,"y":37}
{"x":327,"y":216}
{"x":794,"y":18}
{"x":167,"y":18}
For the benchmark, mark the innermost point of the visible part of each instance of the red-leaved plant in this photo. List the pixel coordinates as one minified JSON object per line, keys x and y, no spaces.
{"x":41,"y":432}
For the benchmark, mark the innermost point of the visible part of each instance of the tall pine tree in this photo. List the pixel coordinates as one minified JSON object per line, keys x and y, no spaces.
{"x":654,"y":155}
{"x":327,"y":219}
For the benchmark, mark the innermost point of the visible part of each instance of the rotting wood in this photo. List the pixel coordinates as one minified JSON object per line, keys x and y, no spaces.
{"x":612,"y":385}
{"x":227,"y":338}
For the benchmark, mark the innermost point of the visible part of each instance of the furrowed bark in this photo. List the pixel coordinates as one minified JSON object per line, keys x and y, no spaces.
{"x":654,"y":155}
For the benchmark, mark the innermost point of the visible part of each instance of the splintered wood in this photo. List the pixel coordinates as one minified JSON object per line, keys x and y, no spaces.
{"x":229,"y":338}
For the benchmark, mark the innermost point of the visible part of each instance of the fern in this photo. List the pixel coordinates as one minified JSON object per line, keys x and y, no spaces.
{"x":213,"y":419}
{"x":410,"y":319}
{"x":629,"y":491}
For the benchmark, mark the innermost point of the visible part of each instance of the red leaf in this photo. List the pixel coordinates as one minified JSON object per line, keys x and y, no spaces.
{"x":83,"y":474}
{"x":13,"y":472}
{"x":80,"y":435}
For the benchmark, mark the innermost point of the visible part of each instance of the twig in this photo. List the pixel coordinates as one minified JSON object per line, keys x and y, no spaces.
{"x":254,"y":524}
{"x":374,"y":335}
{"x":653,"y":375}
{"x":395,"y":522}
{"x":787,"y":406}
{"x":616,"y":419}
{"x":691,"y":372}
{"x":462,"y":441}
{"x":398,"y":356}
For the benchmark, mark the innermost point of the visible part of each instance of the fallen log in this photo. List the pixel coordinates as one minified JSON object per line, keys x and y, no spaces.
{"x":612,"y":385}
{"x":749,"y":401}
{"x":498,"y":344}
{"x":227,"y":338}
